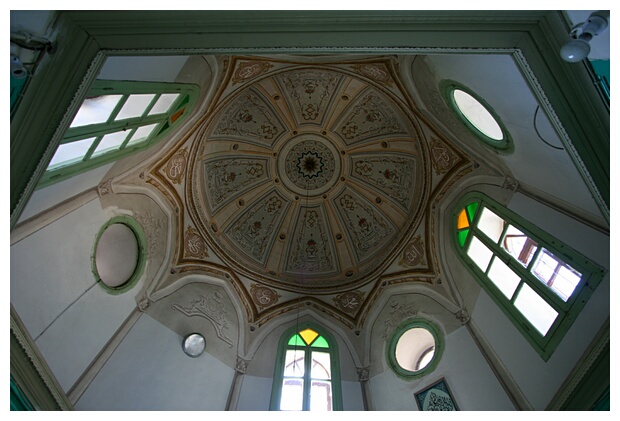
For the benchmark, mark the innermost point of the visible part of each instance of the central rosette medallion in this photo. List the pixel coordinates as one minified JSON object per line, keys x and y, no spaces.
{"x":309,"y":165}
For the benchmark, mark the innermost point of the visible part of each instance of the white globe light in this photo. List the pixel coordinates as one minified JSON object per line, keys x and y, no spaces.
{"x":575,"y":50}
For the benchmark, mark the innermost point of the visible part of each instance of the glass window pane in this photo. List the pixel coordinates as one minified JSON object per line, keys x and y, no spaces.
{"x":413,"y":349}
{"x":292,"y":398}
{"x":535,"y":309}
{"x":71,"y":151}
{"x":95,"y":110}
{"x":462,"y":221}
{"x":321,"y":368}
{"x":491,"y":224}
{"x":320,"y":342}
{"x":308,"y":335}
{"x":294,"y":363}
{"x":135,"y":106}
{"x":565,"y":282}
{"x":163,"y":103}
{"x":472,"y":208}
{"x":296,"y":341}
{"x":141,"y":134}
{"x":545,"y":266}
{"x":321,"y":396}
{"x":519,"y":245}
{"x":477,"y":115}
{"x":479,"y":253}
{"x":110,"y":142}
{"x":503,"y":277}
{"x":462,"y":236}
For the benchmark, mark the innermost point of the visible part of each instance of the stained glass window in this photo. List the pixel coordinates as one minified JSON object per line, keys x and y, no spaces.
{"x":524,"y":269}
{"x":305,"y":378}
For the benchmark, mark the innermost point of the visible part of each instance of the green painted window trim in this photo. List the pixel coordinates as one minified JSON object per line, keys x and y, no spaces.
{"x":278,"y":377}
{"x":138,"y":231}
{"x":592,"y":274}
{"x":503,"y":146}
{"x":19,"y":400}
{"x":188,"y":95}
{"x":393,"y":341}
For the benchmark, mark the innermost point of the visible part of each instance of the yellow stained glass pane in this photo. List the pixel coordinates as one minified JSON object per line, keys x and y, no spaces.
{"x":462,"y":222}
{"x":308,"y":335}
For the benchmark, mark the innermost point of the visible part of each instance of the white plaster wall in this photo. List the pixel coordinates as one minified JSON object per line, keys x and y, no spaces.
{"x":540,"y":380}
{"x":469,"y":377}
{"x":53,"y":290}
{"x":255,"y":393}
{"x":149,"y":371}
{"x":56,"y":193}
{"x":352,"y":396}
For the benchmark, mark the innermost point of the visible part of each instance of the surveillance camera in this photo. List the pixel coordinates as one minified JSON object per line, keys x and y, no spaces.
{"x":17,"y":68}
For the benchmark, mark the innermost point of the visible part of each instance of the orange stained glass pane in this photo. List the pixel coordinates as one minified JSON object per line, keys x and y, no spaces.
{"x":308,"y":335}
{"x":462,"y":222}
{"x":176,"y":115}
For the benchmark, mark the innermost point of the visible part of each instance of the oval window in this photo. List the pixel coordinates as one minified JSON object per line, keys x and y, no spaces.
{"x":118,"y":256}
{"x":477,"y":115}
{"x":414,"y":349}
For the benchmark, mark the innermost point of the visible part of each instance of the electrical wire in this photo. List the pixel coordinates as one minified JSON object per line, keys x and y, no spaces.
{"x":538,"y":133}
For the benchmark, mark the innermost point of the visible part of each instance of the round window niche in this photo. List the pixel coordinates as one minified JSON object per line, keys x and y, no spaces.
{"x":478,"y":116}
{"x":414,"y":348}
{"x":119,"y":255}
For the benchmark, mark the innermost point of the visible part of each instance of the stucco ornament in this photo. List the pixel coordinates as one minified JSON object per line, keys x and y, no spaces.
{"x":263,"y":297}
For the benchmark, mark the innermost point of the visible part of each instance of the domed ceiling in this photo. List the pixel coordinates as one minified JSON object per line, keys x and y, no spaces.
{"x":307,"y":177}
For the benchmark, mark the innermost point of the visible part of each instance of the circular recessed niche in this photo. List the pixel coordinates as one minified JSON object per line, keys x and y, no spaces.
{"x":478,"y":116}
{"x":194,"y":345}
{"x":309,"y":165}
{"x":119,"y":256}
{"x":414,"y":349}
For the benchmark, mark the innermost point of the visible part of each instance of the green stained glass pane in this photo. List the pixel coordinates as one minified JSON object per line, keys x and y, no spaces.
{"x":462,"y":236}
{"x":471,"y":210}
{"x":296,"y":341}
{"x":183,"y":102}
{"x":164,"y":127}
{"x":320,"y":342}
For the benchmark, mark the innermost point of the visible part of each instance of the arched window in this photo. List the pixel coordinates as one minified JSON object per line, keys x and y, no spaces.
{"x":307,"y":374}
{"x":539,"y":282}
{"x":116,"y":119}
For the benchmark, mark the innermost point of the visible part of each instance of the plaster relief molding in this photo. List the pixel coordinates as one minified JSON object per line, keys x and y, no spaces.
{"x":463,"y":316}
{"x":510,"y":184}
{"x":441,"y":156}
{"x":248,"y":70}
{"x":263,"y":297}
{"x":349,"y":302}
{"x":104,"y":188}
{"x":414,"y":253}
{"x":397,"y":313}
{"x":175,"y":168}
{"x":144,"y":303}
{"x":209,"y":307}
{"x":375,"y":71}
{"x":195,"y":245}
{"x":363,"y":374}
{"x":153,"y":231}
{"x":241,"y":365}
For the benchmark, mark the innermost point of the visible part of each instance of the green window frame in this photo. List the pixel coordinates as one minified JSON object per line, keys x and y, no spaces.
{"x":539,"y":282}
{"x":127,"y":116}
{"x":505,"y":145}
{"x":142,"y":257}
{"x":300,"y":369}
{"x":401,"y":329}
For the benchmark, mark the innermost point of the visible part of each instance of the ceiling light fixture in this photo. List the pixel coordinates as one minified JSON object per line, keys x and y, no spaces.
{"x":194,"y":345}
{"x":578,"y":48}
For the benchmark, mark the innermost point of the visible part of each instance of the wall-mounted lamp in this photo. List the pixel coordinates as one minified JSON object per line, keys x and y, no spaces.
{"x":578,"y":48}
{"x":18,"y":71}
{"x":194,"y":345}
